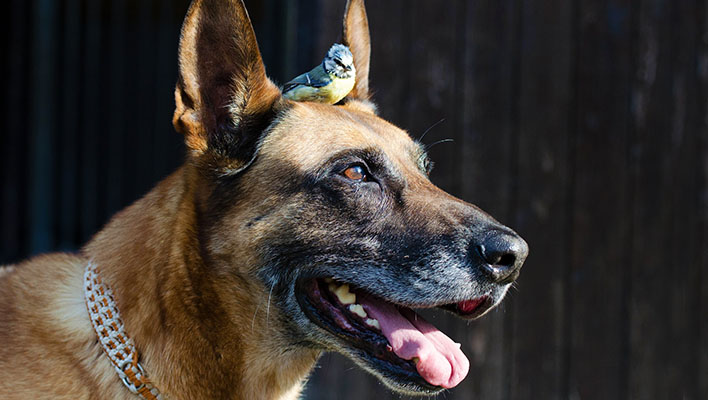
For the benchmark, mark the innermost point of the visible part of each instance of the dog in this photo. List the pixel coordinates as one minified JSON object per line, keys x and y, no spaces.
{"x":292,"y":228}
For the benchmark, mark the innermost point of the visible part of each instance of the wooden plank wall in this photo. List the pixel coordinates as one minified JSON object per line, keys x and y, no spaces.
{"x":582,"y":124}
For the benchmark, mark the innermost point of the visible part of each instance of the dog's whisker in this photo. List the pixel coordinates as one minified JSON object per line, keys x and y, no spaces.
{"x":430,"y":128}
{"x":427,"y":147}
{"x":270,"y":294}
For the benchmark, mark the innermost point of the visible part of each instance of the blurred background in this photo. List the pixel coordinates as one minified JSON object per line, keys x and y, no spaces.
{"x":581,"y":124}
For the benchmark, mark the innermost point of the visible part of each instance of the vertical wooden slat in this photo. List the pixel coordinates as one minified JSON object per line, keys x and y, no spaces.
{"x":700,"y":217}
{"x":148,"y":52}
{"x":133,"y":138}
{"x":173,"y":143}
{"x":43,"y":87}
{"x":388,"y":23}
{"x":663,"y":255}
{"x":308,"y":19}
{"x":433,"y":52}
{"x":685,"y":226}
{"x":486,"y":167}
{"x":91,"y":127}
{"x":6,"y":139}
{"x":288,"y":38}
{"x":5,"y":33}
{"x":701,"y":373}
{"x":161,"y":108}
{"x":69,"y":145}
{"x":266,"y":25}
{"x":541,"y":207}
{"x":167,"y":141}
{"x":702,"y":183}
{"x":101,"y":93}
{"x":599,"y":250}
{"x":139,"y":141}
{"x":16,"y":134}
{"x":119,"y":112}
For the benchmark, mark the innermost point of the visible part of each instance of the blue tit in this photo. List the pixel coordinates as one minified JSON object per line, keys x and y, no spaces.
{"x":328,"y":82}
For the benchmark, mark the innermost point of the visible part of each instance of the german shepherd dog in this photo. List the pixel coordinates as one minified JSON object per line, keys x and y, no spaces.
{"x":292,"y":228}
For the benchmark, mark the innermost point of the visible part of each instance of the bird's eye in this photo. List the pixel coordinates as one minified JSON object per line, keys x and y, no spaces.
{"x":356,"y":173}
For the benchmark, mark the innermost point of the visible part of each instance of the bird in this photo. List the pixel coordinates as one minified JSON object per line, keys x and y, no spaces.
{"x":328,"y":82}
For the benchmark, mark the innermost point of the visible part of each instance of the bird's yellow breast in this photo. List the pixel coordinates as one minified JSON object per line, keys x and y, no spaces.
{"x":330,"y":93}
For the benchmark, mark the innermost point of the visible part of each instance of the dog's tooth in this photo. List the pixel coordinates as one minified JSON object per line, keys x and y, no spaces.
{"x":374,"y":323}
{"x":344,"y":295}
{"x":358,"y":310}
{"x":415,"y":360}
{"x":458,"y":345}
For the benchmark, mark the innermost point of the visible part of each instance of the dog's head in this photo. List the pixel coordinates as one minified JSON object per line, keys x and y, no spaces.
{"x":330,"y":209}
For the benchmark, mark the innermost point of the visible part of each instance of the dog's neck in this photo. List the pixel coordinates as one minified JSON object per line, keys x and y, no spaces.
{"x":190,"y":345}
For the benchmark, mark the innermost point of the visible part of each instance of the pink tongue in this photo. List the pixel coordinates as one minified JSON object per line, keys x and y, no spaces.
{"x":441,"y":362}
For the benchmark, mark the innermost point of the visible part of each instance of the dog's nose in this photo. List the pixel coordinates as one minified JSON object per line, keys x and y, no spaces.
{"x":503,"y":253}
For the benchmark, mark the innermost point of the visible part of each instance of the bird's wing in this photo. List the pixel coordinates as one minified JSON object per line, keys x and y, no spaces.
{"x":308,"y":79}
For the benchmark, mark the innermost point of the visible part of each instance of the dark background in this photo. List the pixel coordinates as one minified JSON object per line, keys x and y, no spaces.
{"x":581,"y":124}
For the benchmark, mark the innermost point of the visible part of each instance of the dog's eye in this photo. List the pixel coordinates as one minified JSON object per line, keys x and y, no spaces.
{"x":356,"y":173}
{"x":425,"y":164}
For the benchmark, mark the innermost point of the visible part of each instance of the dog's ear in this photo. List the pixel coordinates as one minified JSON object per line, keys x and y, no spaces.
{"x":356,"y":37}
{"x":224,"y":100}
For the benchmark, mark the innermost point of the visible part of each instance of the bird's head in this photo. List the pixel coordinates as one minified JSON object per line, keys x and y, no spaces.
{"x":339,"y":62}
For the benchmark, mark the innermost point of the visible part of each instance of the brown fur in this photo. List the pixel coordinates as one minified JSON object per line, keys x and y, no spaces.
{"x":186,"y":261}
{"x":356,"y":37}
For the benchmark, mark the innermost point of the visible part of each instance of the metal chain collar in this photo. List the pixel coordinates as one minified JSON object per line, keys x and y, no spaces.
{"x":119,"y":348}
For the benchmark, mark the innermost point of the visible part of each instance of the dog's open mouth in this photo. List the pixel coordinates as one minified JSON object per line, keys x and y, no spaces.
{"x":394,"y":339}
